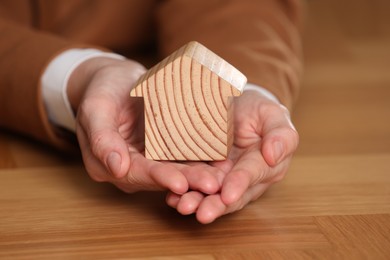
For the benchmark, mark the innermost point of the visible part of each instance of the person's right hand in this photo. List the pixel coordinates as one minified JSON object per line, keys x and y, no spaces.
{"x":110,"y":129}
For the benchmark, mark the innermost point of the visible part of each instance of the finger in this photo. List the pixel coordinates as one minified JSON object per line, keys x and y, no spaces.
{"x":250,"y":169}
{"x":212,"y":207}
{"x":153,"y":175}
{"x":106,"y":143}
{"x":280,"y":139}
{"x":172,"y":199}
{"x":189,"y":202}
{"x":202,"y":177}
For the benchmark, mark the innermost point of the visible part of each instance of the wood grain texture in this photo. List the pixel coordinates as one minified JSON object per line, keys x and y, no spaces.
{"x":333,"y":204}
{"x":188,"y":105}
{"x":324,"y":208}
{"x":6,"y":160}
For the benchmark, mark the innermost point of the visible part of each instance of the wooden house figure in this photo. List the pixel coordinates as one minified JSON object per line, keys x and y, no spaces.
{"x":188,"y":100}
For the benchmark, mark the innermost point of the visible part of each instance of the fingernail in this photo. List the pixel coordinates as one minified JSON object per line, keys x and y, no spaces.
{"x":114,"y":163}
{"x":278,"y":151}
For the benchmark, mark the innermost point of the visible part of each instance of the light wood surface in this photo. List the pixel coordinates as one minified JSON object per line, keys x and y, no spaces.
{"x":188,"y":102}
{"x":333,"y":204}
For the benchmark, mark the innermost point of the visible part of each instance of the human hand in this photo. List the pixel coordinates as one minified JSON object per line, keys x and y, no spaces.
{"x":110,"y":132}
{"x":109,"y":128}
{"x":265,"y":140}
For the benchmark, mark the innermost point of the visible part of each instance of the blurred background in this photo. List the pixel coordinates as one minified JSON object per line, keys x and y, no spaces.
{"x":344,"y":106}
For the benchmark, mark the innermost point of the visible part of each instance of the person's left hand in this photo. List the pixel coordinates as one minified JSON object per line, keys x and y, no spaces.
{"x":264,"y":142}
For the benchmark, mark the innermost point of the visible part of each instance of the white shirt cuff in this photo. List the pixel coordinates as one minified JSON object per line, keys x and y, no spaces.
{"x":54,"y":82}
{"x":266,"y":93}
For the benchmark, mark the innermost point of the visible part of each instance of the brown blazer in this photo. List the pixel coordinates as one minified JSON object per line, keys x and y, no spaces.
{"x":259,"y":37}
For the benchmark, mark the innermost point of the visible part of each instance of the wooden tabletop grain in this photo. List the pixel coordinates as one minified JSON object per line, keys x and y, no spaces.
{"x":333,"y":204}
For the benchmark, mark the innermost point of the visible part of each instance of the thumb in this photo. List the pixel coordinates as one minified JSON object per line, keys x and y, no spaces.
{"x":280,"y":139}
{"x":105,"y":141}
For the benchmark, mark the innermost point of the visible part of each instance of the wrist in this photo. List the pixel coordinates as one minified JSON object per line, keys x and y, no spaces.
{"x":55,"y":79}
{"x":262,"y":91}
{"x":81,"y":77}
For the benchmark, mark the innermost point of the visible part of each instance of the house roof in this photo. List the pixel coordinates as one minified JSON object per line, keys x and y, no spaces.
{"x":208,"y":59}
{"x":216,"y":64}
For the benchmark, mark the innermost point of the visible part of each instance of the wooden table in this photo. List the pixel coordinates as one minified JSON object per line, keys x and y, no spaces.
{"x":333,"y":204}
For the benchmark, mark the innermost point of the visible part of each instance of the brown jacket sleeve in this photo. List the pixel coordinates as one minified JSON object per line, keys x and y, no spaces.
{"x":24,"y":54}
{"x":259,"y":37}
{"x":32,"y":33}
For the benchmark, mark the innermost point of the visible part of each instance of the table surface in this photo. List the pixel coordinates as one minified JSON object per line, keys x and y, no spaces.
{"x":333,"y":204}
